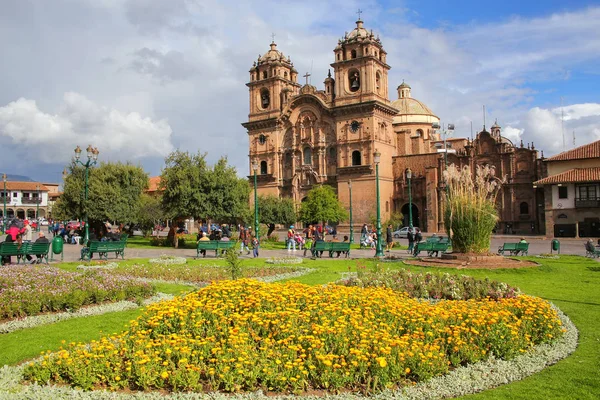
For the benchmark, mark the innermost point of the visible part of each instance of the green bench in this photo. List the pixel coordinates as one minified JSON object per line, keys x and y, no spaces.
{"x":592,"y":251}
{"x":331,"y":247}
{"x":103,"y":248}
{"x":26,"y":249}
{"x":514,"y":248}
{"x":215,"y":245}
{"x":431,"y":248}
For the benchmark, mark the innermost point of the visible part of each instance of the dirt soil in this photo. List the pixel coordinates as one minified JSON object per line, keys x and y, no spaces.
{"x":472,"y":261}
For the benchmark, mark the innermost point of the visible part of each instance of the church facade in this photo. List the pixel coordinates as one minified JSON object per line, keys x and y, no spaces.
{"x":300,"y":136}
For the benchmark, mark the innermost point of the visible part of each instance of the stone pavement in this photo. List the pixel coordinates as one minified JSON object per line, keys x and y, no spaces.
{"x":536,"y":246}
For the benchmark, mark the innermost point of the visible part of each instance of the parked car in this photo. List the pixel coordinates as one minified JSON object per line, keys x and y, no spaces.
{"x":401,"y":233}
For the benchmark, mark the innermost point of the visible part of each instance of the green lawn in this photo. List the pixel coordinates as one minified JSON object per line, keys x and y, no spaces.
{"x":572,"y":283}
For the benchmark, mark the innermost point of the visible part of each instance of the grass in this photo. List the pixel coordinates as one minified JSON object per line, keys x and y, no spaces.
{"x":571,"y":282}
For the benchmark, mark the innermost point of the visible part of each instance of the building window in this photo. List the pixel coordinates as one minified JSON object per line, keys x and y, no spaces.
{"x":264,"y":74}
{"x":419,"y":132}
{"x":586,"y":192}
{"x":338,"y":56}
{"x":307,"y":156}
{"x":262,"y":139}
{"x":332,"y":154}
{"x":356,"y":158}
{"x":563,"y":193}
{"x":524,"y":208}
{"x":14,"y":194}
{"x":263,"y":167}
{"x":562,"y":216}
{"x":353,"y":54}
{"x":378,"y":82}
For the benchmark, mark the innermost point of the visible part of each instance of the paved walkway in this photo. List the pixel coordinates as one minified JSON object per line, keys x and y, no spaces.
{"x":536,"y":246}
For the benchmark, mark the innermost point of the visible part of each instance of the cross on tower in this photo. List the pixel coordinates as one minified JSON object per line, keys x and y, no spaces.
{"x":306,"y":76}
{"x":272,"y":38}
{"x":359,"y":12}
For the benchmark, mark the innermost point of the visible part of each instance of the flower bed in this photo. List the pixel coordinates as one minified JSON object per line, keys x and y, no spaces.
{"x":246,"y":335}
{"x":168,"y":260}
{"x":196,"y":274}
{"x":431,"y":285}
{"x":284,"y":260}
{"x":27,"y":290}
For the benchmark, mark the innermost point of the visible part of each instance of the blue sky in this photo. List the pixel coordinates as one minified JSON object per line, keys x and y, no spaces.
{"x":140,"y":78}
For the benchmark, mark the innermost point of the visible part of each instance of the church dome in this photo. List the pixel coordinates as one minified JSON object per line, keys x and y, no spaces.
{"x":358,"y":34}
{"x":411,"y":110}
{"x":273,"y":55}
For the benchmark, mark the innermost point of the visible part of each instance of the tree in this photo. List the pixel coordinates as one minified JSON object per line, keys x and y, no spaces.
{"x":193,"y":189}
{"x":322,"y":205}
{"x":274,"y":210}
{"x":150,"y":211}
{"x":114,"y":193}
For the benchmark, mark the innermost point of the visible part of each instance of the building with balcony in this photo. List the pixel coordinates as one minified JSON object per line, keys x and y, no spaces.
{"x":26,"y":200}
{"x":572,"y":192}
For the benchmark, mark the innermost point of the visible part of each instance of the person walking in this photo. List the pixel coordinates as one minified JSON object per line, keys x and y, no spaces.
{"x":389,"y":238}
{"x":411,"y":240}
{"x":256,"y":246}
{"x":291,"y":241}
{"x":244,"y":235}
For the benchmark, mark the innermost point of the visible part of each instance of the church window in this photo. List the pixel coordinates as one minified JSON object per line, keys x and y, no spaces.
{"x":264,"y":74}
{"x":353,"y":54}
{"x":307,"y":156}
{"x":263,"y":167}
{"x":356,"y":158}
{"x":265,"y":98}
{"x":378,"y":81}
{"x":288,"y":157}
{"x":338,"y":56}
{"x":285,"y":74}
{"x":524,"y":208}
{"x":353,"y":80}
{"x":262,"y":139}
{"x":420,"y":132}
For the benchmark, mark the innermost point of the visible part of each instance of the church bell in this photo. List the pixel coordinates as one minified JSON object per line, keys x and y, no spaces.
{"x":355,"y":85}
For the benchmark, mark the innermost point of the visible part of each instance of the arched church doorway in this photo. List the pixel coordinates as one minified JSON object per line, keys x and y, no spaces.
{"x":415,"y":215}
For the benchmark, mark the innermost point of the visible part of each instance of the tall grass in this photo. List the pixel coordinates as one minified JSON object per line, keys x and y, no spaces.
{"x":470,"y":214}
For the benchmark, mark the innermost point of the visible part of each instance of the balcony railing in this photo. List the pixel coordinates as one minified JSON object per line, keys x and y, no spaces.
{"x":26,"y":200}
{"x":587,"y":202}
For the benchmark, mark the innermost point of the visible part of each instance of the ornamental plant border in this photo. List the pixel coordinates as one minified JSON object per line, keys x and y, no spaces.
{"x":461,"y":381}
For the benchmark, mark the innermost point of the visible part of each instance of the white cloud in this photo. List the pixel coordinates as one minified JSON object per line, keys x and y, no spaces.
{"x":125,"y":136}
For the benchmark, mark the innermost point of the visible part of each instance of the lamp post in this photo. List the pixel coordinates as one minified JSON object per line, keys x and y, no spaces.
{"x":379,"y":249}
{"x":410,"y":221}
{"x":255,"y":169}
{"x":351,"y":225}
{"x":37,"y":208}
{"x":448,"y":131}
{"x":4,"y":215}
{"x":92,"y":157}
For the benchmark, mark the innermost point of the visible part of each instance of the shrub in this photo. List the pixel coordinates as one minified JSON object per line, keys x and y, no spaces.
{"x":470,"y":214}
{"x":431,"y":285}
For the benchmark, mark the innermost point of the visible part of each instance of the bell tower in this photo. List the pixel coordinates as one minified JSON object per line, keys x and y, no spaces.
{"x":273,"y":81}
{"x":361,"y":71}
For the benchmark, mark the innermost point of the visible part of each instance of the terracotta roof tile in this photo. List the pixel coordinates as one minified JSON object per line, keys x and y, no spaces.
{"x":590,"y":150}
{"x":28,"y":186}
{"x":154,"y":184}
{"x":575,"y":175}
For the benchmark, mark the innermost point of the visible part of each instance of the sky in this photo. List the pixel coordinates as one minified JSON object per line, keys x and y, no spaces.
{"x":141,"y":78}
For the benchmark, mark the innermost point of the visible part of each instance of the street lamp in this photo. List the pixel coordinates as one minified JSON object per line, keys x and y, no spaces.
{"x":255,"y":169}
{"x":92,"y":157}
{"x":351,"y":226}
{"x":379,"y":249}
{"x":37,"y":208}
{"x":410,"y":221}
{"x":4,"y":215}
{"x":448,"y":131}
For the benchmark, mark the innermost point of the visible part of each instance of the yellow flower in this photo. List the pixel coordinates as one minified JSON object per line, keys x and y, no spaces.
{"x":164,"y":374}
{"x":382,"y":362}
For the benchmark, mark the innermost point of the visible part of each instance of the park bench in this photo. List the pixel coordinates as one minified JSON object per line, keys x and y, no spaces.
{"x":514,"y":248}
{"x":431,"y":248}
{"x":103,"y":248}
{"x":331,"y":247}
{"x":592,"y":251}
{"x":215,"y":245}
{"x":26,"y":249}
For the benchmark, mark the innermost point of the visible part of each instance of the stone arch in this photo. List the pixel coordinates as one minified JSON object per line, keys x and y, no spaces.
{"x":406,"y":214}
{"x":265,"y":98}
